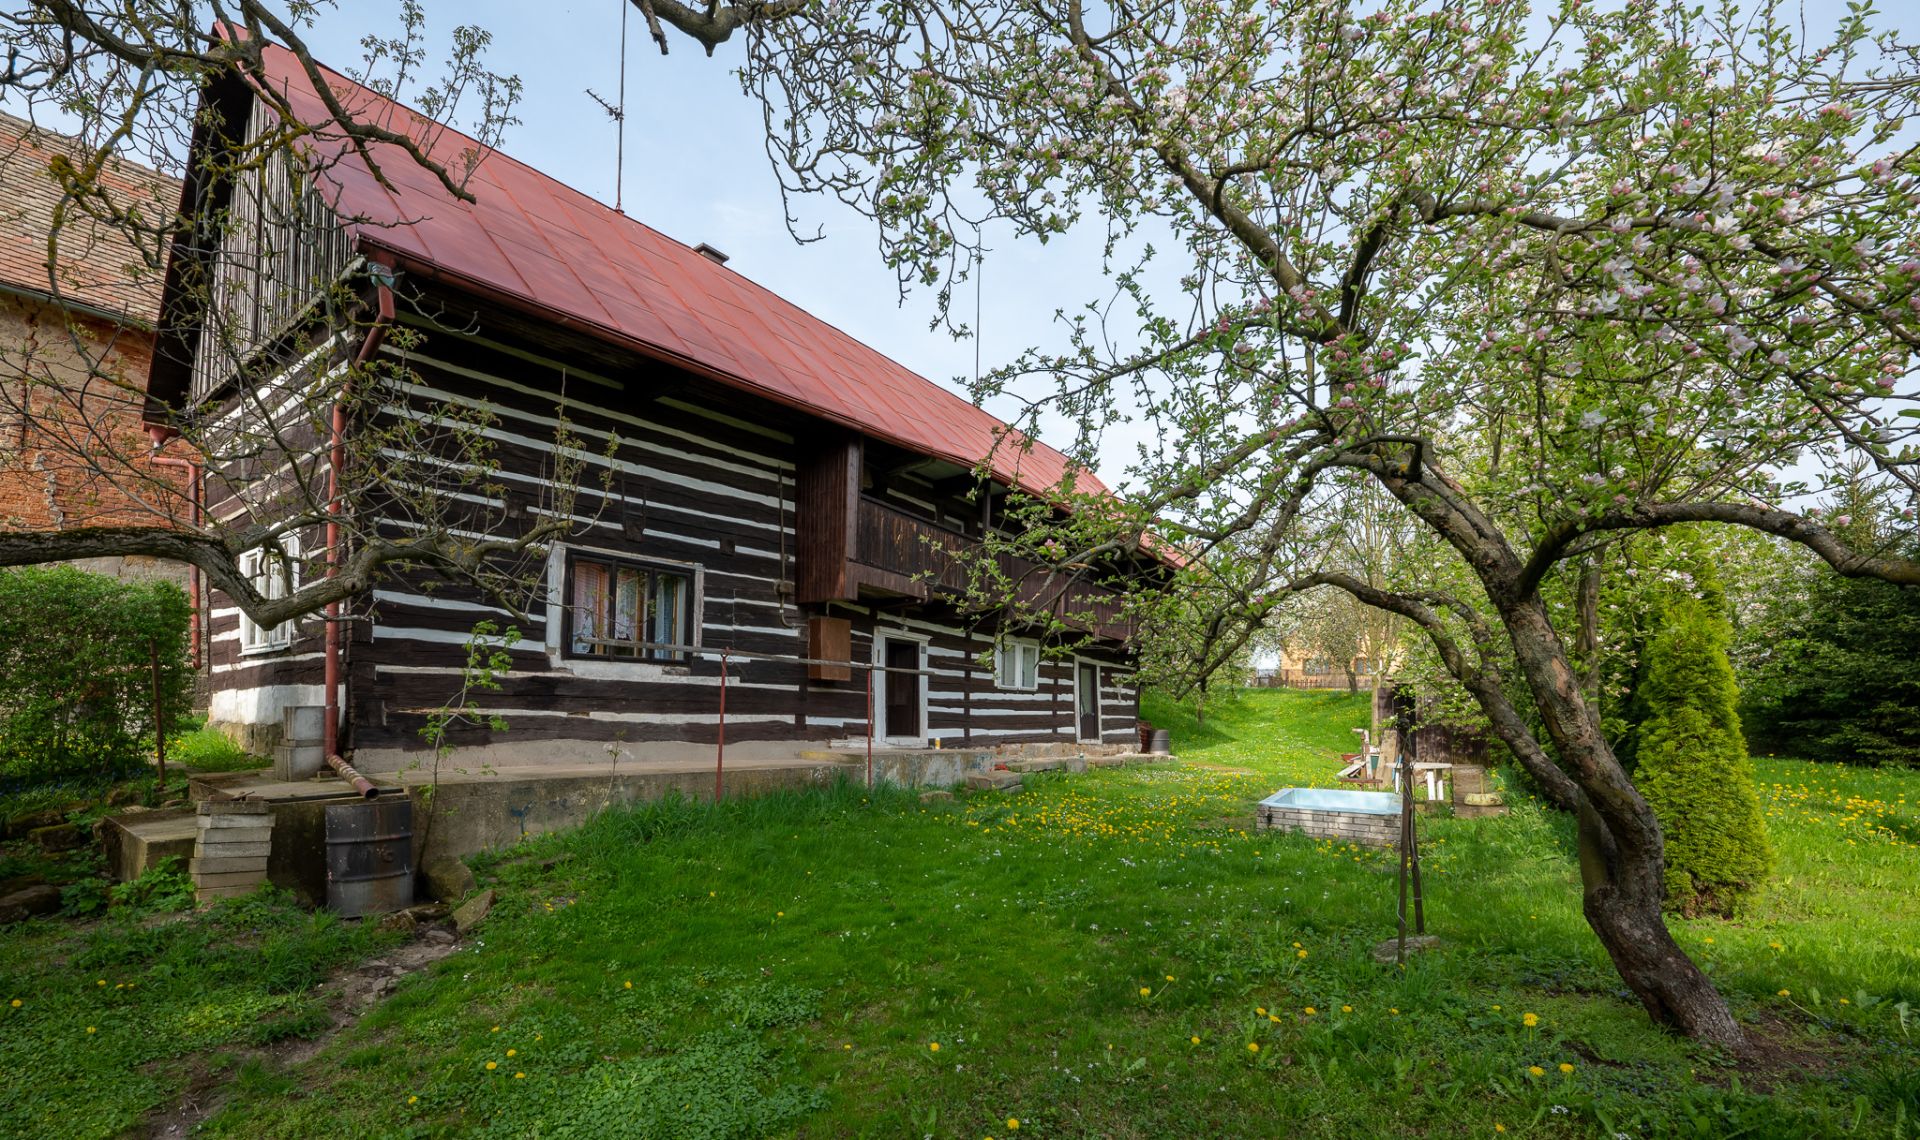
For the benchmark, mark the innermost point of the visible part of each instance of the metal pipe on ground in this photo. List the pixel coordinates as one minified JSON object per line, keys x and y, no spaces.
{"x":346,"y":772}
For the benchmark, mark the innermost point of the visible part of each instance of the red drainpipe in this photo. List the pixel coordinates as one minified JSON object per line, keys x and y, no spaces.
{"x":336,"y":465}
{"x":160,"y":436}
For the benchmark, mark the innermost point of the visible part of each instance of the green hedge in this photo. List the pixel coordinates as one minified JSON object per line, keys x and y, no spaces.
{"x":77,"y":676}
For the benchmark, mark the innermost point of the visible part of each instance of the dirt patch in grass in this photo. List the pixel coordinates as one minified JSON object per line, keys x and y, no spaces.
{"x":346,"y":997}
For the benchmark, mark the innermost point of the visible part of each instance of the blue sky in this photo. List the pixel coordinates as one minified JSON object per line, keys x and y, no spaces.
{"x":696,"y":170}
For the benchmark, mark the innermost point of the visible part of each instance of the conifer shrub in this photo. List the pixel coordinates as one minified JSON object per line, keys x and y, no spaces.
{"x":1693,"y":764}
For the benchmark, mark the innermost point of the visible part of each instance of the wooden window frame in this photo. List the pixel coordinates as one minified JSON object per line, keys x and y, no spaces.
{"x":1000,"y":655}
{"x":263,"y":567}
{"x":650,"y":571}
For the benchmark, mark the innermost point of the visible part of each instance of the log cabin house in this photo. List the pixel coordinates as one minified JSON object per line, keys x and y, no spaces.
{"x":756,"y":482}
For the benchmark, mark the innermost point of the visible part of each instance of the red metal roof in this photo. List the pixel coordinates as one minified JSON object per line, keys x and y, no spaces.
{"x":546,"y":245}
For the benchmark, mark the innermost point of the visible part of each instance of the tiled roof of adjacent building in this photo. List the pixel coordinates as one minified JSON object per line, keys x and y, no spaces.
{"x":98,"y":268}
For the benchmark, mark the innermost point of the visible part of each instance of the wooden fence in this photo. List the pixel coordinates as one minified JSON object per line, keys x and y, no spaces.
{"x":1300,"y":679}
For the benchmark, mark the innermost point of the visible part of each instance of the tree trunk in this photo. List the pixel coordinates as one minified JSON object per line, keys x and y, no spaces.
{"x":1622,"y":858}
{"x":1621,"y":898}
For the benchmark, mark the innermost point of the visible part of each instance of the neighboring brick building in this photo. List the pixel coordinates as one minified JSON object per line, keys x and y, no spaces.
{"x":73,"y":369}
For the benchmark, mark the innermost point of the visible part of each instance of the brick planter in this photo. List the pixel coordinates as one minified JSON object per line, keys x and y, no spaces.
{"x":1332,"y":819}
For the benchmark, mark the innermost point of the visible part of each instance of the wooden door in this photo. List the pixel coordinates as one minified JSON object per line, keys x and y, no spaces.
{"x":902,"y":707}
{"x":1088,"y":695}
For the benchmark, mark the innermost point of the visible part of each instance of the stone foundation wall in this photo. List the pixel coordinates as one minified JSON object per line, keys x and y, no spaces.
{"x":1364,"y":828}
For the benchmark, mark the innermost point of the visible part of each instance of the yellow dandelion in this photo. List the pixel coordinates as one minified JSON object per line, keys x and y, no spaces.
{"x":1311,"y":1011}
{"x":1299,"y":953}
{"x":93,"y":1029}
{"x":1529,"y":1019}
{"x":1253,"y":1046}
{"x":933,"y":1046}
{"x":1346,"y":1009}
{"x":492,"y":1065}
{"x":1193,"y":1040}
{"x":1565,"y":1068}
{"x":779,"y":914}
{"x":495,"y":1029}
{"x":1536,"y":1071}
{"x":101,"y":982}
{"x":512,"y":1052}
{"x":519,"y":1076}
{"x":16,"y":1003}
{"x":629,"y":985}
{"x":1260,"y":1010}
{"x":1775,"y":946}
{"x":1786,"y":993}
{"x":1013,"y":1124}
{"x":1144,"y":991}
{"x":1496,"y":1009}
{"x":413,"y":1100}
{"x":1499,"y":1128}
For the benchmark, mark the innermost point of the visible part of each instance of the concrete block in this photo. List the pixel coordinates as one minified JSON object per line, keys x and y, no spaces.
{"x":236,"y":822}
{"x":472,"y":911}
{"x":448,"y":878}
{"x":297,"y":761}
{"x":206,"y":894}
{"x":136,"y":843}
{"x":936,"y":797}
{"x":1050,"y":764}
{"x":224,"y":865}
{"x":230,"y":879}
{"x":214,"y":849}
{"x":304,"y":724}
{"x":233,"y":807}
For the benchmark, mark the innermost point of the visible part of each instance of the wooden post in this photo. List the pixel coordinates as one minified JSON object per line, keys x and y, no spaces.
{"x":159,"y":723}
{"x":720,"y":748}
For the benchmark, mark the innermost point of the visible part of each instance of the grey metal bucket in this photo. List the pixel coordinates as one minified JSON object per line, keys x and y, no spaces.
{"x":1162,"y":743}
{"x":370,"y":856}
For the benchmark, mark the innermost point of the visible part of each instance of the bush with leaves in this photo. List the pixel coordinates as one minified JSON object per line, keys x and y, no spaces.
{"x":86,"y":665}
{"x":1694,"y":769}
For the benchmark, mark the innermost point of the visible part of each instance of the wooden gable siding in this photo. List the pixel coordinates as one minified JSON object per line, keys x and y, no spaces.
{"x":713,"y":489}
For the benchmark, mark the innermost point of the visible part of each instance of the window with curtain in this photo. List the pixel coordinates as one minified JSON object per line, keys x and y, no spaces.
{"x":616,"y":607}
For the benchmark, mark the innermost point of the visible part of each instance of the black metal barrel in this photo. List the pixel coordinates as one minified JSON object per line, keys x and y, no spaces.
{"x":370,"y":856}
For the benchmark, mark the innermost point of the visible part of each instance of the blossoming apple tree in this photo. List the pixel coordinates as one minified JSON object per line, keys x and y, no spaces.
{"x":1544,"y":276}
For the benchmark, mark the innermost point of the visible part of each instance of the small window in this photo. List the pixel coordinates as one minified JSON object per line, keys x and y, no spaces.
{"x":275,"y":574}
{"x":621,"y":609}
{"x":1016,"y":665}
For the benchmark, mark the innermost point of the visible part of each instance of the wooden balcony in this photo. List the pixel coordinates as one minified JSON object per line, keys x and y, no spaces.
{"x":852,"y":546}
{"x":897,"y":554}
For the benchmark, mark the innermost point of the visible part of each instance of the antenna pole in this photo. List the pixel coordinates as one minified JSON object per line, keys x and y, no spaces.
{"x":620,"y":119}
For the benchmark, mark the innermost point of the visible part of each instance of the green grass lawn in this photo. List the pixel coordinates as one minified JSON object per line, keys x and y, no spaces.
{"x":1115,"y":954}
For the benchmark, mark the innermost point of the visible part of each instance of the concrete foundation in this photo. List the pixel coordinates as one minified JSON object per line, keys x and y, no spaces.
{"x":466,"y":809}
